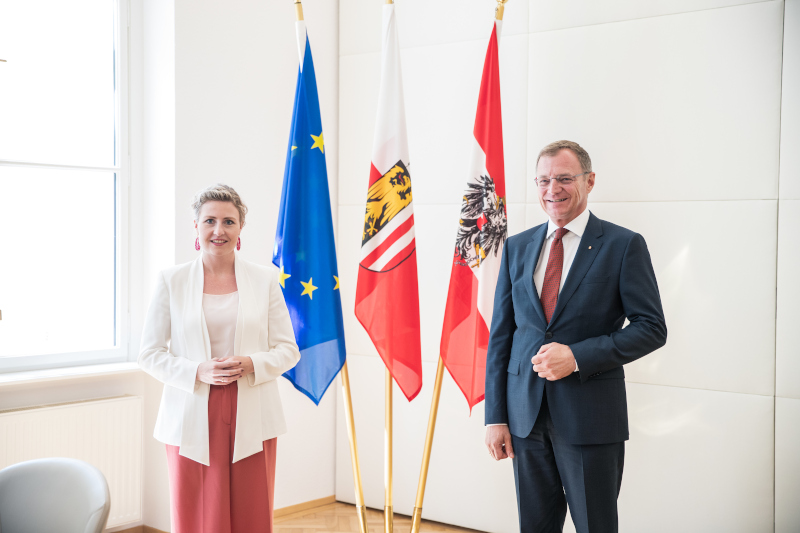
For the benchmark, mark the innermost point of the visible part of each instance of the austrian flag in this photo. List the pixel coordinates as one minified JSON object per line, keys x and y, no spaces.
{"x":481,"y":235}
{"x":387,"y":297}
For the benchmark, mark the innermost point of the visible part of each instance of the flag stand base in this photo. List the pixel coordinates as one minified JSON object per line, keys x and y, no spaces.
{"x":361,"y":511}
{"x":416,"y":520}
{"x":388,"y":519}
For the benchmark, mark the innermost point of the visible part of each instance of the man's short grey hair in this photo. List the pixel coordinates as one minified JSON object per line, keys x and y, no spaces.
{"x":219,"y":193}
{"x":553,"y":148}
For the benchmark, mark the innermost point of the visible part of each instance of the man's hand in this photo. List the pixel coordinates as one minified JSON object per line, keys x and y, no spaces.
{"x":219,"y":371}
{"x":554,"y":361}
{"x":498,"y":440}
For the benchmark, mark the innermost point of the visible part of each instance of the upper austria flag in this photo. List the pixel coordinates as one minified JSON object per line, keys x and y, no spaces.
{"x":304,"y":247}
{"x":387,"y":297}
{"x":482,"y":232}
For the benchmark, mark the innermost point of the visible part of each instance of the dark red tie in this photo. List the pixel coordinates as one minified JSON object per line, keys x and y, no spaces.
{"x":552,"y":276}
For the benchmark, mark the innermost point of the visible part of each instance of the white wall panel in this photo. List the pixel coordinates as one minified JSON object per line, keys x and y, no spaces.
{"x":441,"y":121}
{"x":550,"y":15}
{"x":790,"y":108}
{"x":697,"y":461}
{"x":305,"y":469}
{"x":465,"y":486}
{"x":684,"y":107}
{"x":535,"y":215}
{"x":226,"y":129}
{"x":424,"y":23}
{"x":787,"y":465}
{"x":715,"y":265}
{"x":359,"y":81}
{"x":787,"y":341}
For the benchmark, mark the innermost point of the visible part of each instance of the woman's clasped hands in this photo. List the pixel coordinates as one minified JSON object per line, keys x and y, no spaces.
{"x":224,"y":370}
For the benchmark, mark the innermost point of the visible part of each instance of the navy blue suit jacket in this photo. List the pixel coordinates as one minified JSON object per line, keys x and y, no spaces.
{"x":607,"y":283}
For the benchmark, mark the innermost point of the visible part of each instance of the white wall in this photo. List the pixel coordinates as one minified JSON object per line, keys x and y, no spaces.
{"x":680,"y":105}
{"x":787,"y":404}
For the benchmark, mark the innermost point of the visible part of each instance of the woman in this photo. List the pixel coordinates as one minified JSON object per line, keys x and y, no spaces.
{"x":218,"y":335}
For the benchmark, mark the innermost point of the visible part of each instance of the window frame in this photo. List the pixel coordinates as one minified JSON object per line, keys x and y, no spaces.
{"x":122,"y":171}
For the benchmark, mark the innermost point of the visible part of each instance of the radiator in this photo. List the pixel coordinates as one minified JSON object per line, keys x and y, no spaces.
{"x":106,"y":433}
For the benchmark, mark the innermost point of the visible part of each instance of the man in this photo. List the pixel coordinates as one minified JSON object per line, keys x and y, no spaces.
{"x":555,"y":388}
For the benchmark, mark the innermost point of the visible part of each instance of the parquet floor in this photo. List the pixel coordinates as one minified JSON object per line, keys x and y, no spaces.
{"x":341,"y":518}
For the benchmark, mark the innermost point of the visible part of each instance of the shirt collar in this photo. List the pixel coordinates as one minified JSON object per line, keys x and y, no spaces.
{"x":577,"y":226}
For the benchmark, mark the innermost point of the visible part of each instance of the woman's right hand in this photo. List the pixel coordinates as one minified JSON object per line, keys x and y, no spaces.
{"x":219,"y":371}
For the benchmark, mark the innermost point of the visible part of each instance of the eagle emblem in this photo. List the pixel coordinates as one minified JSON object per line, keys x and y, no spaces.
{"x":483,"y":227}
{"x":385,"y":198}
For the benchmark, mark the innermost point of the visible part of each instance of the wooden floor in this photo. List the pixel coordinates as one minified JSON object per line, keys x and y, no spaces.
{"x":341,"y":518}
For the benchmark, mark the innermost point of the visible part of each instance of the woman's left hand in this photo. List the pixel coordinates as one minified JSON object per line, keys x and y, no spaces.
{"x":245,"y":360}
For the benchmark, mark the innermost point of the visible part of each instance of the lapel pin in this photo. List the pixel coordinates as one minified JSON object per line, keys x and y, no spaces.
{"x":590,"y":247}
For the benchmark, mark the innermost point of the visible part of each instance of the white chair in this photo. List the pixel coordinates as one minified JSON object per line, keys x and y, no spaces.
{"x":54,"y":495}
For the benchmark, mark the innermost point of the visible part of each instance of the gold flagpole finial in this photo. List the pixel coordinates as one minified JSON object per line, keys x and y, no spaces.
{"x":498,"y":13}
{"x":389,"y":1}
{"x":299,"y":8}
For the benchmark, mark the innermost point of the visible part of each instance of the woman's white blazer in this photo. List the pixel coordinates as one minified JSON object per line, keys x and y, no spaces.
{"x":175,"y":342}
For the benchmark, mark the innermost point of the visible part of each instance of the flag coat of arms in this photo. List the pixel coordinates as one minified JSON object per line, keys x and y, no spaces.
{"x":305,"y":250}
{"x":387,"y":296}
{"x":482,"y":232}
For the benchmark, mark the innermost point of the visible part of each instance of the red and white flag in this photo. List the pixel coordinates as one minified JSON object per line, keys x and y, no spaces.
{"x":387,"y":297}
{"x":482,"y":232}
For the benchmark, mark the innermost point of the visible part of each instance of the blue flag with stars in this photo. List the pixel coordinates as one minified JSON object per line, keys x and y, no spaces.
{"x":304,"y":247}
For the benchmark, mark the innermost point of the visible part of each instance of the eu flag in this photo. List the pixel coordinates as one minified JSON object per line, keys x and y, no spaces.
{"x":304,"y":247}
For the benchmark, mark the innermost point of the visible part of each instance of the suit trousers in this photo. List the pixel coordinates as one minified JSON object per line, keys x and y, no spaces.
{"x":224,"y":497}
{"x":546,"y":466}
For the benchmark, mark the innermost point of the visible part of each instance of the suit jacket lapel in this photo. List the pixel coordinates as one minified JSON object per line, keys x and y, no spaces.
{"x":587,"y":251}
{"x":246,"y":337}
{"x":194,"y":325}
{"x":247,"y":439}
{"x":532,"y":253}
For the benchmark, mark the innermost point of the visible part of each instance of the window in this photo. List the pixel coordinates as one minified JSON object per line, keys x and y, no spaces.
{"x":63,"y":180}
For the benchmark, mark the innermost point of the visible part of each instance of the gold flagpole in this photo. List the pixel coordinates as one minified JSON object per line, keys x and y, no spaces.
{"x":498,"y":12}
{"x":351,"y":431}
{"x":388,"y":515}
{"x":416,"y":519}
{"x":348,"y":407}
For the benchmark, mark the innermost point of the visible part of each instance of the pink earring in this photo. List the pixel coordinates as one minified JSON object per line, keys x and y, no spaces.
{"x":239,"y":243}
{"x":197,"y":243}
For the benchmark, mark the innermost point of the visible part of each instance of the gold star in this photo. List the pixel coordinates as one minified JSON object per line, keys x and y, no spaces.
{"x":284,"y":276}
{"x":319,"y":142}
{"x":309,"y":288}
{"x":337,"y":283}
{"x":294,"y":148}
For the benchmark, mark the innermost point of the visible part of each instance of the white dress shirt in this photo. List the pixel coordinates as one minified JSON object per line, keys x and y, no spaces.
{"x":221,"y":312}
{"x":571,"y":240}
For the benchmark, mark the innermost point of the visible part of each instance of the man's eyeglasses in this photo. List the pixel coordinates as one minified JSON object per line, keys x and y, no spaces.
{"x":563,"y":180}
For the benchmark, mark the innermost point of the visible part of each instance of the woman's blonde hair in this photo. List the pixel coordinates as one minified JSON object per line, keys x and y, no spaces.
{"x":219,"y":193}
